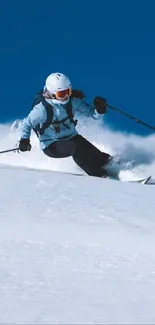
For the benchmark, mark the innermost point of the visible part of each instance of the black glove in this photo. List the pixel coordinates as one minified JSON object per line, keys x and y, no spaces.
{"x":100,"y":105}
{"x":24,"y":145}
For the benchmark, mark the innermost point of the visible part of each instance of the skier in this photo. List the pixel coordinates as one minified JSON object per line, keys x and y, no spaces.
{"x":52,"y":118}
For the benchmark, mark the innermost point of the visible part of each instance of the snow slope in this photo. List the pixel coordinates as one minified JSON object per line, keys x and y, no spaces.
{"x":77,"y":250}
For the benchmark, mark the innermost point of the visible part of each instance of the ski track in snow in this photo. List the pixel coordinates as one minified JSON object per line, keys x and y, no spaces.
{"x":75,"y":250}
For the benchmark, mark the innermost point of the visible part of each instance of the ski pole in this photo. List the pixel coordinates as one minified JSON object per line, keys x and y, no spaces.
{"x":9,"y":150}
{"x":132,"y":118}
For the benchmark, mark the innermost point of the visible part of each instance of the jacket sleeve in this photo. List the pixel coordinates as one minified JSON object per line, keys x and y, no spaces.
{"x":85,"y":109}
{"x":36,"y":116}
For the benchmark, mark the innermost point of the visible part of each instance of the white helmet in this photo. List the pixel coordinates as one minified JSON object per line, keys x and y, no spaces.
{"x":56,"y":82}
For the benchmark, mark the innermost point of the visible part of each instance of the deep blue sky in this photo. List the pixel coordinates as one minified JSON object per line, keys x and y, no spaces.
{"x":107,"y":48}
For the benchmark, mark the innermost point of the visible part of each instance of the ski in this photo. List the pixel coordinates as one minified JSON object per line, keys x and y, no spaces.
{"x":144,"y":181}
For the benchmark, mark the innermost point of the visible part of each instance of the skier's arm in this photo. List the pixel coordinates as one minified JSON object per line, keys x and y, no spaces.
{"x":36,"y":116}
{"x":84,"y":108}
{"x":93,"y":111}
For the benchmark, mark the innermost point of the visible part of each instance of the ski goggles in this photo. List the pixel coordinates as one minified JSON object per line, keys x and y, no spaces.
{"x":62,"y":94}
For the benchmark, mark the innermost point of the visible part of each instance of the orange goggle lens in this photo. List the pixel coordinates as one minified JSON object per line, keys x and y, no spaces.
{"x":61,"y":94}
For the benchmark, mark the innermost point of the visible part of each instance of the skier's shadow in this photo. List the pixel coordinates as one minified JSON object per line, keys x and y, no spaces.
{"x":136,"y":156}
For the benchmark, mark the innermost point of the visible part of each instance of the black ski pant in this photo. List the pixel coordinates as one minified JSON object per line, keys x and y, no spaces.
{"x":85,"y":154}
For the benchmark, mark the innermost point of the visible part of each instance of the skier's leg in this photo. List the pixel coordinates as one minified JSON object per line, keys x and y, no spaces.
{"x":113,"y":167}
{"x":86,"y":156}
{"x":60,"y":149}
{"x":89,"y":158}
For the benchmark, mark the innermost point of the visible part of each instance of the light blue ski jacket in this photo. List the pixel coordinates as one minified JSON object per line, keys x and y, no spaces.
{"x":38,"y":115}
